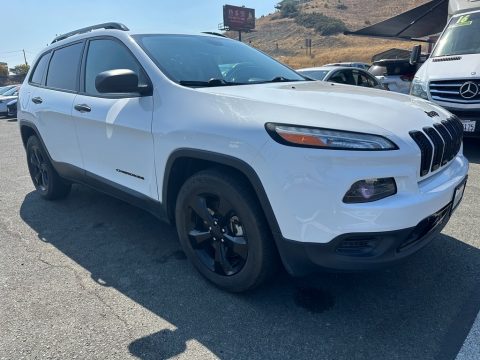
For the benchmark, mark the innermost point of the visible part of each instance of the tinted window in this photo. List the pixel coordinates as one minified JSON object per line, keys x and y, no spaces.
{"x":343,"y":77}
{"x":62,"y":72}
{"x":106,"y":55}
{"x":37,"y":75}
{"x":204,"y":61}
{"x":364,"y":80}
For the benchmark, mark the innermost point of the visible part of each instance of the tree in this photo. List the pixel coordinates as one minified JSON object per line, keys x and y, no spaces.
{"x":288,"y":8}
{"x":3,"y":70}
{"x":21,"y":69}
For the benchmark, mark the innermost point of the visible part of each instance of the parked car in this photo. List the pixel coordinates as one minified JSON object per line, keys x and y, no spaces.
{"x":395,"y":75}
{"x":8,"y":96}
{"x":12,"y":108}
{"x":253,"y":165}
{"x":358,"y":65}
{"x":4,"y":89}
{"x":342,"y":75}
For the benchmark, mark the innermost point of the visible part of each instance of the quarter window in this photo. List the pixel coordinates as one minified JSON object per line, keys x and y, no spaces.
{"x":104,"y":55}
{"x":37,"y":76}
{"x":62,"y":72}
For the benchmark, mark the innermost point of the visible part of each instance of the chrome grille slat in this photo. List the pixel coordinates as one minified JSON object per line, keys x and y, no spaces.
{"x":438,"y":144}
{"x":450,"y":91}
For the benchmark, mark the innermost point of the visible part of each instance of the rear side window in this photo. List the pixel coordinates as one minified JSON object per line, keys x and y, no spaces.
{"x":37,"y":76}
{"x":104,"y":55}
{"x":378,"y":70}
{"x":62,"y":72}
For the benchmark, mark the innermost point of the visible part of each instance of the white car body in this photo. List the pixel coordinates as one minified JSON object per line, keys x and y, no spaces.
{"x":304,"y":186}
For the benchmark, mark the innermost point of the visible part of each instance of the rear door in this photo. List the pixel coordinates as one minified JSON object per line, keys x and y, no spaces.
{"x":53,"y":91}
{"x":114,"y":130}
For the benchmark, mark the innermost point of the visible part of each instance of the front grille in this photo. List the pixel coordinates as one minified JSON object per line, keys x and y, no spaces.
{"x":440,"y":145}
{"x":449,"y":91}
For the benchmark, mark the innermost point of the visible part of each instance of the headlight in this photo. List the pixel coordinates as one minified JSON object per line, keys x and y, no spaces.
{"x":419,"y":88}
{"x":310,"y":137}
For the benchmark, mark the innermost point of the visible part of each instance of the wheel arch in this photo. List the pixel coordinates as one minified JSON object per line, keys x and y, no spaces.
{"x":183,"y":163}
{"x":26,"y":130}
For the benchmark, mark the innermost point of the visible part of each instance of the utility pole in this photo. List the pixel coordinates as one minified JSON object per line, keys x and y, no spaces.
{"x":25,"y":57}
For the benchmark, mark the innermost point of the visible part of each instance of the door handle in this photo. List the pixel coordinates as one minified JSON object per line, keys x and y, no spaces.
{"x":37,"y":100}
{"x":82,"y":108}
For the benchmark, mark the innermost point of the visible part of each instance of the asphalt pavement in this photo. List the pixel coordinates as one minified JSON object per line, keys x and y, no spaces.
{"x":91,"y":277}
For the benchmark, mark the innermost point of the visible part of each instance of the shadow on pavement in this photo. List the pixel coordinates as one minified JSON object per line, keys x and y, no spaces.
{"x":421,"y":309}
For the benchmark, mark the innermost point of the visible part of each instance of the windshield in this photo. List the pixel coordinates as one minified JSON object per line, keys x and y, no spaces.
{"x":210,"y":61}
{"x":4,"y":89}
{"x":10,"y":92}
{"x":461,"y":37}
{"x":315,"y":74}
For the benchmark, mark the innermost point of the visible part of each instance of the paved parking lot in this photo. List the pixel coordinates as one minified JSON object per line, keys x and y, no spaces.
{"x":92,"y":277}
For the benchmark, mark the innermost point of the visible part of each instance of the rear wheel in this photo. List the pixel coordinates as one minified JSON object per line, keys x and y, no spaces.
{"x":223,"y":231}
{"x":45,"y":179}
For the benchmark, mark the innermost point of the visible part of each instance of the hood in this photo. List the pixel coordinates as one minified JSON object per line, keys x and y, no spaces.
{"x":334,"y":106}
{"x":468,"y":66}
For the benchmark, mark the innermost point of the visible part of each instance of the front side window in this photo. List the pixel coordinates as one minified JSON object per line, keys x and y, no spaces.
{"x":37,"y":76}
{"x":63,"y":68}
{"x":104,"y":55}
{"x":212,"y":61}
{"x":461,"y":36}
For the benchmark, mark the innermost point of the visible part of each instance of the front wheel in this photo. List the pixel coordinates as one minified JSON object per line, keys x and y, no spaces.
{"x":223,"y":231}
{"x":44,"y":177}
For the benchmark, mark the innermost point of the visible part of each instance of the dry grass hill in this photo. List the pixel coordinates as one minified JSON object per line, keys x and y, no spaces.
{"x":285,"y":39}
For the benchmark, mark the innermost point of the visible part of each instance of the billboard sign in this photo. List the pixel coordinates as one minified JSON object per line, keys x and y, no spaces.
{"x":238,"y":18}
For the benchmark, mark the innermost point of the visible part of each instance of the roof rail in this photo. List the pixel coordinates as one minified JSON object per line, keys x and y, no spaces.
{"x":213,"y":33}
{"x":109,"y":25}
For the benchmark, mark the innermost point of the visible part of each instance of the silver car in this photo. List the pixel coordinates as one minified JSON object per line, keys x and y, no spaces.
{"x":342,"y":75}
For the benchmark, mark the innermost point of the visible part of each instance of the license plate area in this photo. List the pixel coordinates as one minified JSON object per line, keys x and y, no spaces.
{"x":469,"y":125}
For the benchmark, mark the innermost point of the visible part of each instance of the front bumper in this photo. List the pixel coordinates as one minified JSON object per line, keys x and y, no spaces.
{"x":362,"y":251}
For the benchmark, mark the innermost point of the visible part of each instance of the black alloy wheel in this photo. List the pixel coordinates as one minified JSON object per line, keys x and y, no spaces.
{"x":216,"y":234}
{"x":46,"y":180}
{"x":223,"y":231}
{"x":38,"y":166}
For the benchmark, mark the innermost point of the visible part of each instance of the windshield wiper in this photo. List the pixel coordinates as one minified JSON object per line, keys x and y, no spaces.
{"x":209,"y":83}
{"x":277,"y":79}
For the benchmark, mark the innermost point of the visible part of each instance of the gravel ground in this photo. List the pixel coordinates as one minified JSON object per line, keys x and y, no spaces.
{"x":90,"y":277}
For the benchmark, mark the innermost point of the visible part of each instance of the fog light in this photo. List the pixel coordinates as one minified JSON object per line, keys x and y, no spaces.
{"x":370,"y":190}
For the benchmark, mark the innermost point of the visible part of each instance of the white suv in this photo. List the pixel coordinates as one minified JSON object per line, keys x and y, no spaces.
{"x":250,"y":161}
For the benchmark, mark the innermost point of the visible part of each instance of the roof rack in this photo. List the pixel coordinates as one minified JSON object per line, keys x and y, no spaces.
{"x":213,"y":33}
{"x":109,"y":25}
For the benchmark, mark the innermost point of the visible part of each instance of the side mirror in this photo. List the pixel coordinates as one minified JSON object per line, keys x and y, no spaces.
{"x":119,"y":81}
{"x":415,"y":55}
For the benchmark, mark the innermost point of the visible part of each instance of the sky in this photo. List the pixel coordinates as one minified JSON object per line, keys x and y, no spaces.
{"x":32,"y":24}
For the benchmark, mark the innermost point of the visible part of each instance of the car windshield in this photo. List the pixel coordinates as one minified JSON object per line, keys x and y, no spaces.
{"x":200,"y":61}
{"x":10,"y":92}
{"x":4,"y":89}
{"x":315,"y":74}
{"x":461,"y":37}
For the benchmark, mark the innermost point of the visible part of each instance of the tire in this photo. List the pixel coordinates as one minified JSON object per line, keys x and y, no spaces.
{"x":223,"y":231}
{"x":44,"y":177}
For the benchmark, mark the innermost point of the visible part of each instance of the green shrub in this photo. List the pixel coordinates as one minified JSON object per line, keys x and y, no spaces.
{"x":322,"y":24}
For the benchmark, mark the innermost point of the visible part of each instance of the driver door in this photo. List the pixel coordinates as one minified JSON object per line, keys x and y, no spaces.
{"x":114,"y":130}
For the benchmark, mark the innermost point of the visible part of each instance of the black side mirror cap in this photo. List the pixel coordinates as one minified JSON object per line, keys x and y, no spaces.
{"x":120,"y":81}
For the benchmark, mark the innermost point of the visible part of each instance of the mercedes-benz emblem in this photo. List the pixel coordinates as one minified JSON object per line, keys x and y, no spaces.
{"x":469,"y":90}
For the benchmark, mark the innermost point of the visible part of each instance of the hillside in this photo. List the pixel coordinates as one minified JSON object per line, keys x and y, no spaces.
{"x":284,"y":39}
